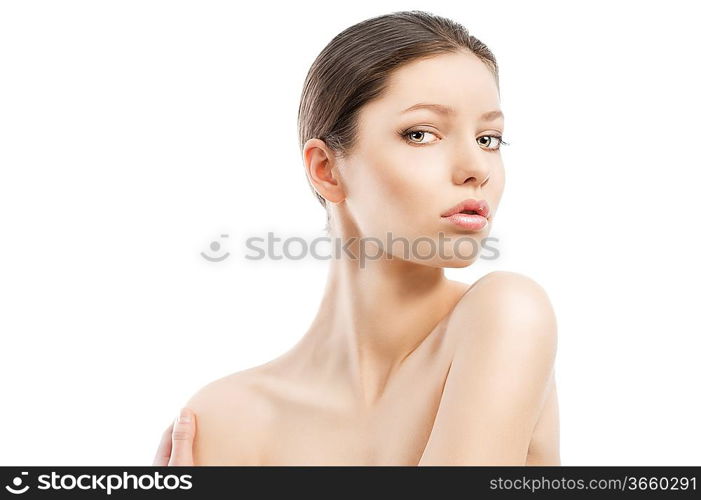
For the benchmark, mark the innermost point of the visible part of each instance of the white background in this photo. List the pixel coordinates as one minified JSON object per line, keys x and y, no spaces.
{"x":134,"y":133}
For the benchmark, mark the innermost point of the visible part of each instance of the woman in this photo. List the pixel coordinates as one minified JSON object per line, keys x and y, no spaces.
{"x":400,"y":130}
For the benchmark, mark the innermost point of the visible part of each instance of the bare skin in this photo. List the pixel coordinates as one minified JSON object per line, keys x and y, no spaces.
{"x":402,"y":366}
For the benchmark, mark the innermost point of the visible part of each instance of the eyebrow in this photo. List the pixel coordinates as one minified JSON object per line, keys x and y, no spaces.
{"x":447,"y":110}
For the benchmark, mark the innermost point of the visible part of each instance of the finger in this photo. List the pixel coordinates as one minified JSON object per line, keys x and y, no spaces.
{"x":163,"y":453}
{"x":183,"y":436}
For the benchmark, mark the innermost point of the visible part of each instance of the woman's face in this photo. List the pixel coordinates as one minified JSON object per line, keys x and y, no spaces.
{"x":430,"y":142}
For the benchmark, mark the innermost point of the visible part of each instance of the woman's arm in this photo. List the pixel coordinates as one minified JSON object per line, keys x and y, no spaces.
{"x":545,"y":442}
{"x":498,"y":381}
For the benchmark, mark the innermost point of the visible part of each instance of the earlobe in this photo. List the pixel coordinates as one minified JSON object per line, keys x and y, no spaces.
{"x":322,"y":171}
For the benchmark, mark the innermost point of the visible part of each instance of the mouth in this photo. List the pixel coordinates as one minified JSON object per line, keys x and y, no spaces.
{"x":470,"y":215}
{"x":469,"y":207}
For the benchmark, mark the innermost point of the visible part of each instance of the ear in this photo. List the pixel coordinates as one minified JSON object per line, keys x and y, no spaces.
{"x":322,"y":170}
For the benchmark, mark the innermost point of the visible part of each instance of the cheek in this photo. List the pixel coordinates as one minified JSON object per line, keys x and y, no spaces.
{"x":394,"y":185}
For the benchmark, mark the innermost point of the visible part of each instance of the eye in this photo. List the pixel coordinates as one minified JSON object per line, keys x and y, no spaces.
{"x":493,"y":142}
{"x":417,"y":136}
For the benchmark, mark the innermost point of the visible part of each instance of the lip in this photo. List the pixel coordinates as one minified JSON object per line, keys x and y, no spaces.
{"x":470,"y":222}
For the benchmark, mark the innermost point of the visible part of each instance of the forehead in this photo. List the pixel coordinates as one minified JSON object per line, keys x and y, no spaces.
{"x":460,"y":80}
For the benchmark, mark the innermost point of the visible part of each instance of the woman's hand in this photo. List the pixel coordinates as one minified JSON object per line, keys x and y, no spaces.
{"x":176,"y":443}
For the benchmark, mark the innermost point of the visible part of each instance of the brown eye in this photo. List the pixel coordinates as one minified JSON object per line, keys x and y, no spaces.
{"x":492,"y":142}
{"x":418,"y":136}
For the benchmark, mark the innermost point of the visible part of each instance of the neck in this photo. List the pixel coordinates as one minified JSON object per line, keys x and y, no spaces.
{"x":372,"y":316}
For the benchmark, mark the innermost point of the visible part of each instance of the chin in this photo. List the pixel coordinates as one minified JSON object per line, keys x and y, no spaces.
{"x":453,"y":262}
{"x":459,"y":263}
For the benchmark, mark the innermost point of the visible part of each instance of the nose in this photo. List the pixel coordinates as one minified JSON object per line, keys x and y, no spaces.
{"x":471,"y":166}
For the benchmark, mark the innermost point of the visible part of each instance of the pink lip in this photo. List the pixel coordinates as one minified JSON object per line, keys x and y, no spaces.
{"x":470,"y":222}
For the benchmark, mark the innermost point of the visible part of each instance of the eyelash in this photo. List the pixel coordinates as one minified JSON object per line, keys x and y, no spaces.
{"x":405,"y":136}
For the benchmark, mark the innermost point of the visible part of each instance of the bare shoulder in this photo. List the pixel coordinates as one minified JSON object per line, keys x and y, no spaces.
{"x":507,"y":321}
{"x":506,"y":306}
{"x":231,"y":415}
